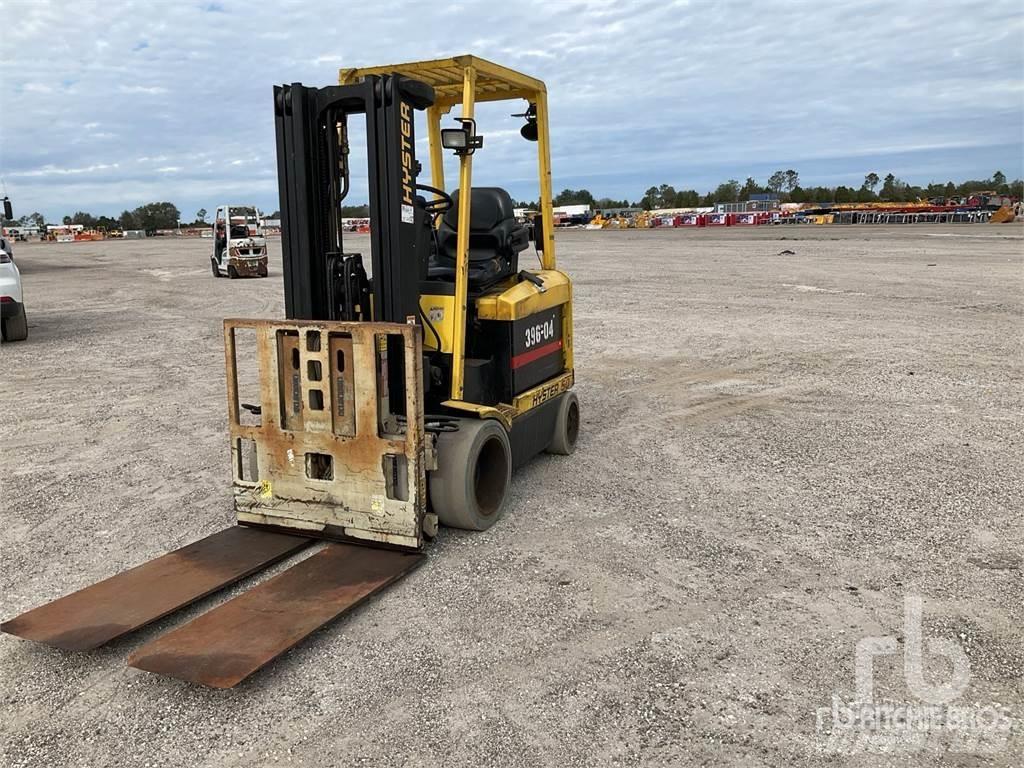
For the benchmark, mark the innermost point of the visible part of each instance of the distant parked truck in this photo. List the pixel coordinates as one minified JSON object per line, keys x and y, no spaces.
{"x":239,"y":243}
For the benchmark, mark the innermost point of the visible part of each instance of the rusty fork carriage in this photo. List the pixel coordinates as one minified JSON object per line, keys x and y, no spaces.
{"x":322,"y":453}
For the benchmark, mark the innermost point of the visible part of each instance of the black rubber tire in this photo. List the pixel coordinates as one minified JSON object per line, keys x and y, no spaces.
{"x":232,"y":272}
{"x":474,"y":470}
{"x":567,"y":425}
{"x":216,"y":269}
{"x":16,"y":328}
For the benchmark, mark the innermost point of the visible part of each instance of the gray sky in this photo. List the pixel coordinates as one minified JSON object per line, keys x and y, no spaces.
{"x":110,"y":105}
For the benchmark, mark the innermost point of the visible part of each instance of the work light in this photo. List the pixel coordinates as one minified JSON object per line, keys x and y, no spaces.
{"x":463,"y":140}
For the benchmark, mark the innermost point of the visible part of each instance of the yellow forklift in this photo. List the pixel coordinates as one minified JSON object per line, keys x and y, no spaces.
{"x":390,"y":399}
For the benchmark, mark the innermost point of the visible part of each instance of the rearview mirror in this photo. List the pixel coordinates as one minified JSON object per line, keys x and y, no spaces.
{"x":8,"y":211}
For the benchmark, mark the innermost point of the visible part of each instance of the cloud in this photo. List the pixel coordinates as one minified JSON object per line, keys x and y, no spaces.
{"x":643,"y":93}
{"x":150,"y":89}
{"x":50,"y":170}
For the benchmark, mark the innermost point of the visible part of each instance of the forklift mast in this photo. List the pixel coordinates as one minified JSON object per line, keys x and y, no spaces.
{"x":321,"y":281}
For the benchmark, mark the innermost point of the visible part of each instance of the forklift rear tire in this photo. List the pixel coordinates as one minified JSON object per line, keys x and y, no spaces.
{"x":216,"y":269}
{"x":567,"y":425}
{"x":474,"y":469}
{"x":232,"y":272}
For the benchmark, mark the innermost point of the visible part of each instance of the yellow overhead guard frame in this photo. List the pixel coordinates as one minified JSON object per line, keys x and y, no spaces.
{"x":466,"y":80}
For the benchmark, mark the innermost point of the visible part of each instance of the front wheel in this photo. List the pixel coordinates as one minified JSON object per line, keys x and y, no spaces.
{"x":474,"y":469}
{"x":16,"y":328}
{"x":216,"y":269}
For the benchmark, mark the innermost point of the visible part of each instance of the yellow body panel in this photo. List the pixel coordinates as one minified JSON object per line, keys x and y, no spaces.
{"x":440,"y":311}
{"x":501,"y":412}
{"x":567,"y":340}
{"x":524,"y":299}
{"x":531,"y":398}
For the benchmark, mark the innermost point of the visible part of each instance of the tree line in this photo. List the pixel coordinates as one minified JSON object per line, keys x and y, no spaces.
{"x":786,"y":186}
{"x":150,"y":217}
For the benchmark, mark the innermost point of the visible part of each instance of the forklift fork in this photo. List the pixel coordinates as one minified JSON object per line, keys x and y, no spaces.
{"x":327,"y":441}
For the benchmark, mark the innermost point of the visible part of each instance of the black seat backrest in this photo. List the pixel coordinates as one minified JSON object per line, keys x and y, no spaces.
{"x":491,"y":206}
{"x":493,"y":229}
{"x":495,"y":238}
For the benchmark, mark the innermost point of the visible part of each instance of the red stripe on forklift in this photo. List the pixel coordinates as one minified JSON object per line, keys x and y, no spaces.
{"x":535,"y":354}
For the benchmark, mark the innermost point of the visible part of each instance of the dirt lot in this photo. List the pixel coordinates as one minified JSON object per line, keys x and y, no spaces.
{"x":776,"y":450}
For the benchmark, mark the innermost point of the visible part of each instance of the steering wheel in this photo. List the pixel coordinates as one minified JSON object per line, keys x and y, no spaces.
{"x":440,"y":205}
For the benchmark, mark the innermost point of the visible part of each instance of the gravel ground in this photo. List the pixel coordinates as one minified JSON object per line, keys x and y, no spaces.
{"x":776,"y":451}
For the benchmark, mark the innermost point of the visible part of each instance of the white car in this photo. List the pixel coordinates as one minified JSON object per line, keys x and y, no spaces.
{"x":13,"y":323}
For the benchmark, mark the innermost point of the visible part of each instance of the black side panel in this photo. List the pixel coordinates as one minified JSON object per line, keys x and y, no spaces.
{"x":537,"y":353}
{"x":481,"y":384}
{"x":532,"y":432}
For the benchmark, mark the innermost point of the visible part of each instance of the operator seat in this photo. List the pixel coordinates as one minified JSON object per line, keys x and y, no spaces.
{"x":495,"y":239}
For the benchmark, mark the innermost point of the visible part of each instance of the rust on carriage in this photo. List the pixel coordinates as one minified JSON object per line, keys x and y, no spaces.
{"x":326,"y":458}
